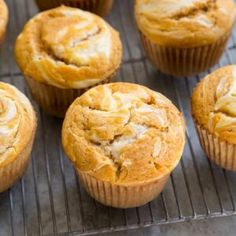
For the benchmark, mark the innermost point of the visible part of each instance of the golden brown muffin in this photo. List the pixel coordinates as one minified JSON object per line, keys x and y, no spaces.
{"x":99,"y":7}
{"x":187,"y":36}
{"x":17,"y":131}
{"x":123,"y":138}
{"x":3,"y":19}
{"x":63,"y":52}
{"x":214,"y":112}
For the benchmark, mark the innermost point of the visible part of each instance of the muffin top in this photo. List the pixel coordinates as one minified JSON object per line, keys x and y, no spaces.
{"x":17,"y":123}
{"x":185,"y":23}
{"x":3,"y":17}
{"x":68,"y":48}
{"x":214,"y":103}
{"x":124,"y":133}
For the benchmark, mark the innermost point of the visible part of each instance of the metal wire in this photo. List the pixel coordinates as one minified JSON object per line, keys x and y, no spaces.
{"x":155,"y":214}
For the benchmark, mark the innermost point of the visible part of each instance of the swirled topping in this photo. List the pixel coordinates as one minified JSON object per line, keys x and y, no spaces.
{"x":217,"y":93}
{"x":124,"y":133}
{"x":187,"y":23}
{"x":68,"y":48}
{"x":3,"y":17}
{"x":17,"y":121}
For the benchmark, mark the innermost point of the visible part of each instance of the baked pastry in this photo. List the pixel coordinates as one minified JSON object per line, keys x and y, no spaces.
{"x":63,"y":52}
{"x":214,"y":113}
{"x":3,"y":19}
{"x":99,"y":7}
{"x":182,"y":37}
{"x":17,"y":131}
{"x":124,"y":141}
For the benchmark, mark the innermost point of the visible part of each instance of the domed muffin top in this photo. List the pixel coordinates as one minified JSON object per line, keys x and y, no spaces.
{"x":185,"y":23}
{"x":124,"y":133}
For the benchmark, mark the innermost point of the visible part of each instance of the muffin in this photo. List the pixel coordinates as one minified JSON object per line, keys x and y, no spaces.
{"x":124,"y":140}
{"x":17,"y":131}
{"x":214,"y":113}
{"x":65,"y":51}
{"x":183,"y":38}
{"x":3,"y":19}
{"x":99,"y":7}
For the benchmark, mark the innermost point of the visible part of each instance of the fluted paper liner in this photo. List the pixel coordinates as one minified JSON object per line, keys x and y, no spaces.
{"x":121,"y":196}
{"x":100,"y":7}
{"x":220,"y":152}
{"x":2,"y":38}
{"x":55,"y":101}
{"x":10,"y":173}
{"x":184,"y":61}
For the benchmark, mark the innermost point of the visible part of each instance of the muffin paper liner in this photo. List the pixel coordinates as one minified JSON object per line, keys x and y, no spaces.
{"x":122,"y":196}
{"x":100,"y":7}
{"x":220,"y":152}
{"x":184,"y":61}
{"x":2,"y":38}
{"x":13,"y":171}
{"x":55,"y":101}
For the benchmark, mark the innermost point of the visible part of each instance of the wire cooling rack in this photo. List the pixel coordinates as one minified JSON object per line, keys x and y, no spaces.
{"x":49,"y":200}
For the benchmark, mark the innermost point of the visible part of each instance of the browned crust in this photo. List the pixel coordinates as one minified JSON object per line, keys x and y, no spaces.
{"x":204,"y":101}
{"x":185,"y":24}
{"x":115,"y":143}
{"x":46,"y":56}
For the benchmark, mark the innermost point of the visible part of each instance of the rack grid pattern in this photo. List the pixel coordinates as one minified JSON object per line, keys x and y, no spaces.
{"x":49,"y":199}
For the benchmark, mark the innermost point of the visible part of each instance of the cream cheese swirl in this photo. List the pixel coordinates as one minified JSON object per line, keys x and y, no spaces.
{"x":223,"y":118}
{"x":213,"y":104}
{"x":123,"y":132}
{"x":68,"y":48}
{"x":185,"y":23}
{"x":17,"y":119}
